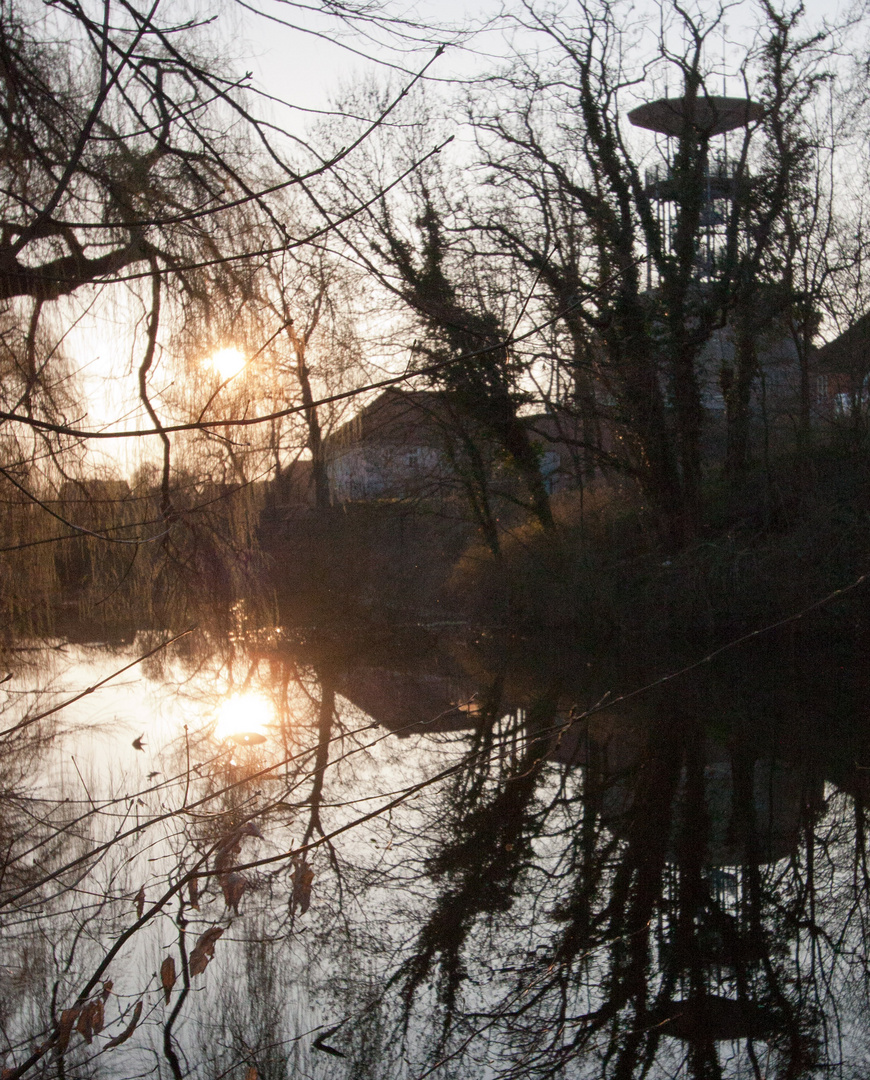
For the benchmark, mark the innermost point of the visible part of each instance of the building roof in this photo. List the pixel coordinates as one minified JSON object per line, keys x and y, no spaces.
{"x":849,"y":352}
{"x":407,"y":702}
{"x":421,"y":418}
{"x":398,"y":417}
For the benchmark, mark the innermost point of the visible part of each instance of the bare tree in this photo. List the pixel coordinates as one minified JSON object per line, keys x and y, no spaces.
{"x":649,"y":261}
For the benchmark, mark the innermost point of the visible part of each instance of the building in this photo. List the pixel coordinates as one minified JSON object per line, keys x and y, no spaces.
{"x":395,"y":447}
{"x":842,"y":372}
{"x":416,"y":444}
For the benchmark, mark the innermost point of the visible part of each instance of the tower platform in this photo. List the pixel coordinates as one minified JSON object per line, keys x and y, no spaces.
{"x":711,"y":115}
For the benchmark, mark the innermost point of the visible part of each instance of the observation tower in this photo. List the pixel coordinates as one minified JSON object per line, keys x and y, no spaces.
{"x":703,"y":118}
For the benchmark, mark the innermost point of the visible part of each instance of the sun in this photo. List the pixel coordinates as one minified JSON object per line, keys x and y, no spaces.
{"x":227,"y":362}
{"x":244,"y":718}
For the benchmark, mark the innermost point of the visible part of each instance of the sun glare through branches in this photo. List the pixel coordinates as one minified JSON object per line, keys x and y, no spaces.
{"x":227,"y":362}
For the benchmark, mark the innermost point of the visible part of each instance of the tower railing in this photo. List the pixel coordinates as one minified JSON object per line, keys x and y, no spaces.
{"x":720,"y":176}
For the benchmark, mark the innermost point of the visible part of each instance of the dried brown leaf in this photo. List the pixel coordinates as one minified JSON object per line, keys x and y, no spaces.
{"x":204,"y":950}
{"x":85,"y":1025}
{"x":193,"y":893}
{"x":227,"y":849}
{"x":234,"y":886}
{"x":301,"y":880}
{"x":65,"y":1028}
{"x":167,"y":976}
{"x":97,"y":1014}
{"x":252,"y":1073}
{"x":128,"y":1030}
{"x":140,"y":902}
{"x":107,"y":989}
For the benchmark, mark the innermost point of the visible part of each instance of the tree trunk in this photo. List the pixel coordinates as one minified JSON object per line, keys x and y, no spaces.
{"x":322,"y":494}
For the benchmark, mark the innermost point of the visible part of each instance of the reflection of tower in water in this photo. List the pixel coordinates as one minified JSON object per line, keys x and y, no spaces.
{"x":714,"y":827}
{"x":735,"y":830}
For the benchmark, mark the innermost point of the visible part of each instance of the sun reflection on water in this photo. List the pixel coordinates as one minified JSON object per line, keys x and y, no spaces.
{"x":245,"y":718}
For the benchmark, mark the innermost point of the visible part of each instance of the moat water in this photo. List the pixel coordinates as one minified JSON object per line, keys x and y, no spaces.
{"x":440,"y":854}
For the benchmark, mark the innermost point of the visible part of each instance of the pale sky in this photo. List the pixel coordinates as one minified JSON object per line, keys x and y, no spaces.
{"x":305,"y":70}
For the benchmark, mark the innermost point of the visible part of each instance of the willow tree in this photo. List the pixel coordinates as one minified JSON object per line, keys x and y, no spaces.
{"x":139,"y":190}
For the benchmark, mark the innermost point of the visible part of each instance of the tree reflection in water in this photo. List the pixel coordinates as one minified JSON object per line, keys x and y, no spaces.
{"x":454,"y":867}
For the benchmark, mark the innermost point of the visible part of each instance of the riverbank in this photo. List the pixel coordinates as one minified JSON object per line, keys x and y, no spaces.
{"x":793,"y":537}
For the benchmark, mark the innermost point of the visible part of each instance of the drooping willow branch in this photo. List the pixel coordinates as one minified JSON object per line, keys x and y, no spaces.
{"x":151,"y":344}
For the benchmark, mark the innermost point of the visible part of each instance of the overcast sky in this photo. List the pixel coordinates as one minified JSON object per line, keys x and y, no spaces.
{"x":306,"y":70}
